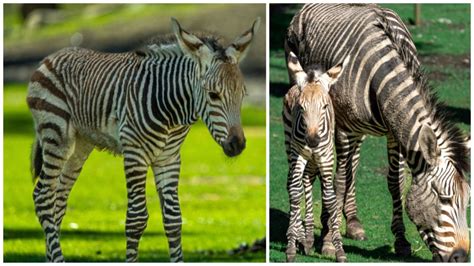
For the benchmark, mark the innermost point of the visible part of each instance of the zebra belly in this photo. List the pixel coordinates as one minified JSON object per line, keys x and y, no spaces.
{"x":105,"y":138}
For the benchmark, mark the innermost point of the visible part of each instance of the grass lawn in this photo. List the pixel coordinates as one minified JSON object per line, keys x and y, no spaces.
{"x":441,"y":47}
{"x":222,"y":200}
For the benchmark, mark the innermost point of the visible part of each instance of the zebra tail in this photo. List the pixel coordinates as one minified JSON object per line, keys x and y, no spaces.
{"x":36,"y":159}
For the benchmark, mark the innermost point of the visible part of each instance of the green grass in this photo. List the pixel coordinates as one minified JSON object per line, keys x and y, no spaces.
{"x":222,"y":200}
{"x":374,"y":202}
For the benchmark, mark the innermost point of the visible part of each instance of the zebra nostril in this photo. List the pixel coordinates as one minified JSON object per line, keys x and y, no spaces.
{"x":459,"y":255}
{"x":312,"y":142}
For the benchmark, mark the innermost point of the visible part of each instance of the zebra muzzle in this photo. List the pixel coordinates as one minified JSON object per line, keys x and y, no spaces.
{"x":312,"y":141}
{"x":235,"y":143}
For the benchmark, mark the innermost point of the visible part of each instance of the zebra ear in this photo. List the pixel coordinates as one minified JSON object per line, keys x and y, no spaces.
{"x":333,"y":74}
{"x":296,"y":71}
{"x":429,"y":145}
{"x":189,"y":43}
{"x":239,"y":48}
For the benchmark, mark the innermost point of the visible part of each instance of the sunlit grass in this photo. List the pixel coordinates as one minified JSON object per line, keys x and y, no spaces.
{"x":222,"y":200}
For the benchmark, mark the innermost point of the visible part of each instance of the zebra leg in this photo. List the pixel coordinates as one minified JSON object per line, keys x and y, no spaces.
{"x":396,"y":184}
{"x":308,"y":180}
{"x":55,"y":153}
{"x":295,"y":192}
{"x":327,"y":249}
{"x":137,"y":214}
{"x":166,"y":180}
{"x":348,"y":155}
{"x":330,"y":211}
{"x":69,"y":175}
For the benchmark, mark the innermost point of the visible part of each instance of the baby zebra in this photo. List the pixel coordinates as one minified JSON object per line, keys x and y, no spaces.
{"x":308,"y":119}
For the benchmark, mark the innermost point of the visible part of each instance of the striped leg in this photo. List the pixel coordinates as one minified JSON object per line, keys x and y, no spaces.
{"x":54,"y":157}
{"x":166,"y":180}
{"x":348,"y":152}
{"x":295,"y":192}
{"x":396,"y":183}
{"x":137,"y":214}
{"x":69,"y":175}
{"x":330,"y":207}
{"x":308,"y":181}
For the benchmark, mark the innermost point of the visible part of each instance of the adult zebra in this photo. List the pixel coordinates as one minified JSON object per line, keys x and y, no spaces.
{"x":308,"y":119}
{"x":383,"y":92}
{"x":140,"y":105}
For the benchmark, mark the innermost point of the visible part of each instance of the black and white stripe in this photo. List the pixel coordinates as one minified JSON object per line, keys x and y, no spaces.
{"x":384,"y":93}
{"x":308,"y":119}
{"x":138,"y":104}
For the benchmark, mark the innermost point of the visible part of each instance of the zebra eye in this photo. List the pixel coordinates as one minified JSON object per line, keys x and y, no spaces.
{"x":214,"y":96}
{"x":325,"y":106}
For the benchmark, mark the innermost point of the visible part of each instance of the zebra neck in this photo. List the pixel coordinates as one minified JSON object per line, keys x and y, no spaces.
{"x":171,"y":90}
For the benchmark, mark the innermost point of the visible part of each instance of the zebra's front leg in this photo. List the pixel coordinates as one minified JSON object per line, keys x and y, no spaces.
{"x":166,"y":180}
{"x":330,"y":208}
{"x":396,"y":184}
{"x":295,"y":192}
{"x":348,"y":157}
{"x":308,"y":180}
{"x":137,"y":214}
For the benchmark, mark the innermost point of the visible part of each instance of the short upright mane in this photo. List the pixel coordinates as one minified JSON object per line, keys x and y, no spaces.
{"x":166,"y":41}
{"x":457,"y":150}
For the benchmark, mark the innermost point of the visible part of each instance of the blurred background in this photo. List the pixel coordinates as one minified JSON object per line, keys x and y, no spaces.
{"x":442,"y":36}
{"x":222,"y":200}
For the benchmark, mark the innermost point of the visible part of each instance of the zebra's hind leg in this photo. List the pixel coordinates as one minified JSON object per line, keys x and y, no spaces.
{"x":348,"y":155}
{"x":55,"y":152}
{"x":308,"y":180}
{"x":137,"y":214}
{"x":295,"y":192}
{"x":396,"y":184}
{"x":69,"y":175}
{"x":166,"y":180}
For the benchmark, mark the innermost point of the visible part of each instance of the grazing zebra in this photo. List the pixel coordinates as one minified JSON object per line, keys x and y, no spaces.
{"x":308,"y":119}
{"x":383,"y":92}
{"x":140,"y":105}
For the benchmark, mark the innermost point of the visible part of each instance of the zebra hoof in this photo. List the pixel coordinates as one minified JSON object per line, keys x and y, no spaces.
{"x":402,"y":247}
{"x":290,"y":254}
{"x":290,"y":257}
{"x":308,"y":249}
{"x":341,"y":256}
{"x":328,"y":249}
{"x":308,"y":246}
{"x":354,"y":230}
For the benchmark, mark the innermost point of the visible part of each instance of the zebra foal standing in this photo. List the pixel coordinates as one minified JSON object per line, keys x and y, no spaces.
{"x":383,"y":92}
{"x":137,"y":104}
{"x":308,"y":119}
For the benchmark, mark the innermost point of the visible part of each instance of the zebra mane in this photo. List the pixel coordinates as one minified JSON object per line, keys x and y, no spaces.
{"x":212,"y":40}
{"x":457,"y":150}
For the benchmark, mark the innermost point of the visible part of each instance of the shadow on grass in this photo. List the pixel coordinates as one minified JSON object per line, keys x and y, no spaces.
{"x":278,"y":89}
{"x":459,"y":115}
{"x":22,"y":233}
{"x":144,"y":256}
{"x":279,"y":221}
{"x":17,"y":123}
{"x":98,"y":256}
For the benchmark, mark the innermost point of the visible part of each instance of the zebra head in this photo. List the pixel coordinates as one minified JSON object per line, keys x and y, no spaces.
{"x":221,"y":85}
{"x":314,"y":100}
{"x":437,"y":202}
